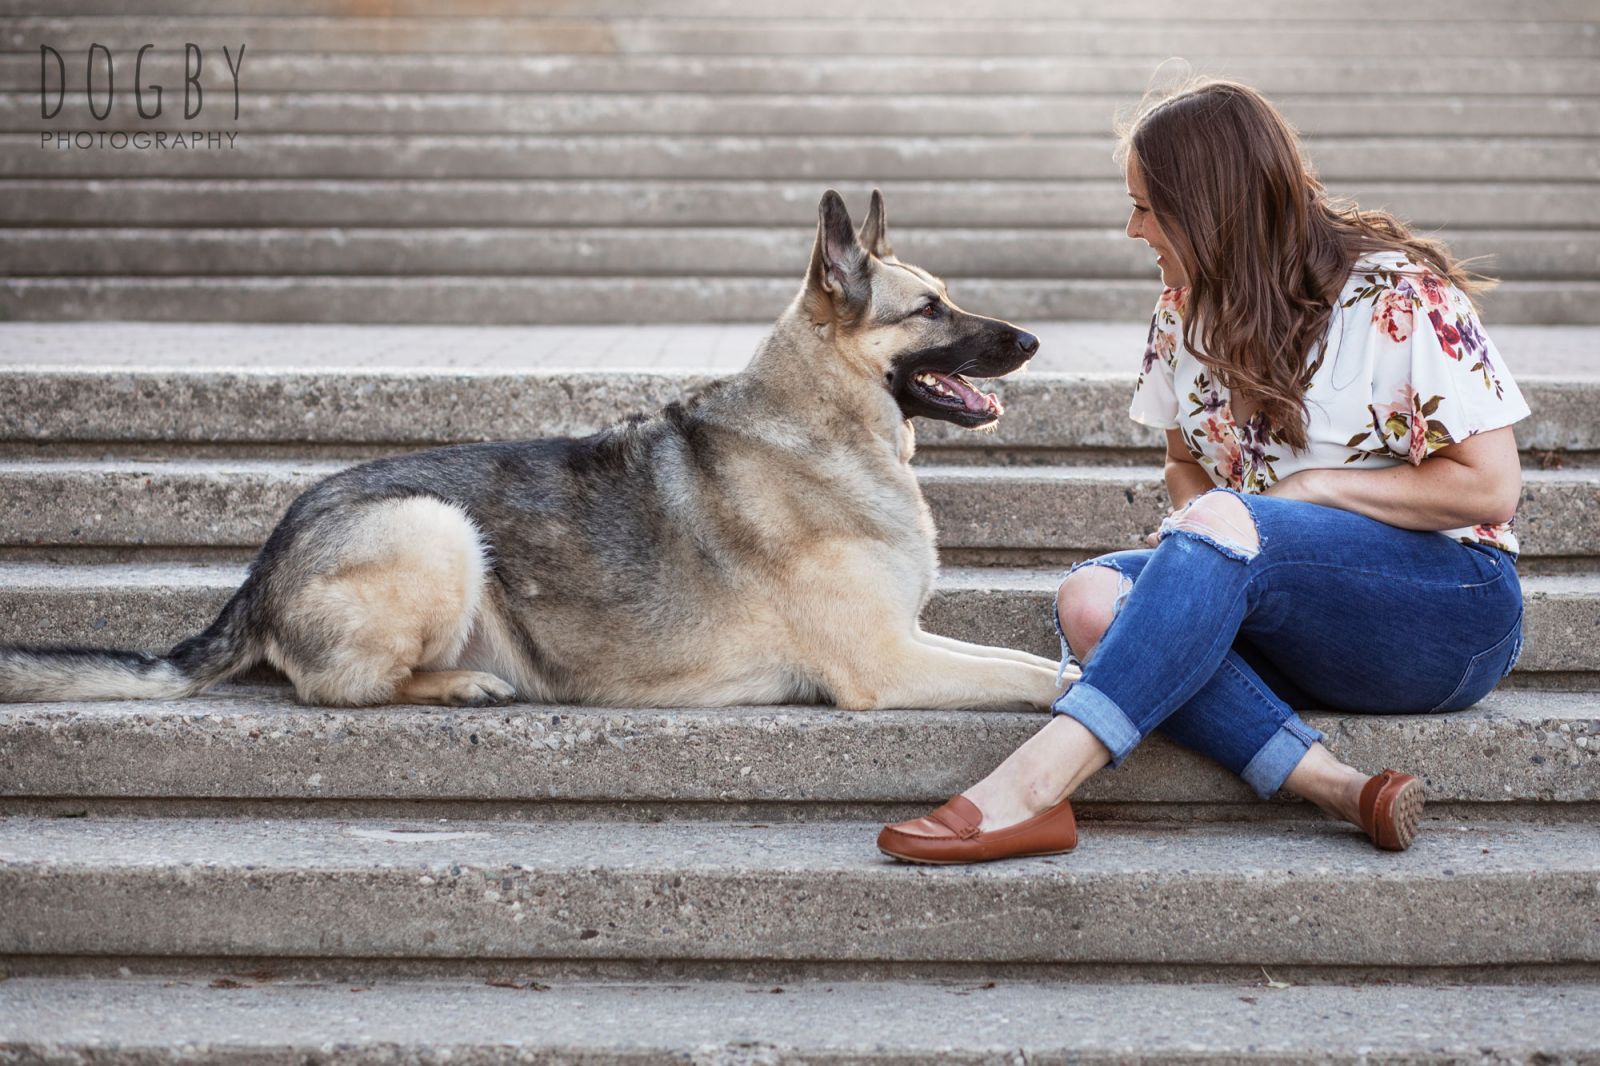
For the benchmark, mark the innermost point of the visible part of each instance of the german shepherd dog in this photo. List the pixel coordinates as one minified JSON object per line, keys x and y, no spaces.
{"x":764,"y":541}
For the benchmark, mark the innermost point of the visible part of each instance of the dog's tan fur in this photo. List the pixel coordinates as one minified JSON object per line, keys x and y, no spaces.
{"x":404,"y":593}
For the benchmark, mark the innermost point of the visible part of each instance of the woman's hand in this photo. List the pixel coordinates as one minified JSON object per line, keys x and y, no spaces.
{"x":1154,"y":539}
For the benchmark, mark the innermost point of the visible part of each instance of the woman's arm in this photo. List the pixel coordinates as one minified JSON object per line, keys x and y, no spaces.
{"x":1475,"y":482}
{"x":1186,"y":478}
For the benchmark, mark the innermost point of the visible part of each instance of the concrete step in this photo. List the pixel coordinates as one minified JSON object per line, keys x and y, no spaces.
{"x":719,"y":204}
{"x":802,"y":36}
{"x":991,"y":253}
{"x":776,"y":155}
{"x":760,"y":113}
{"x":476,"y":300}
{"x":152,"y":606}
{"x":164,"y":1020}
{"x":845,"y":10}
{"x":98,"y":392}
{"x":511,"y":300}
{"x":240,"y":748}
{"x":1313,"y":894}
{"x":825,"y":74}
{"x":1052,"y":510}
{"x":607,"y":370}
{"x":677,"y":354}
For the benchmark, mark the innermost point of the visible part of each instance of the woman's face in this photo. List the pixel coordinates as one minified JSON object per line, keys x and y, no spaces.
{"x":1142,"y":226}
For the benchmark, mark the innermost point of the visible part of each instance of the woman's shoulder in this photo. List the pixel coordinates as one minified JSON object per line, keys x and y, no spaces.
{"x":1378,"y":275}
{"x":1390,"y":292}
{"x":1166,"y":332}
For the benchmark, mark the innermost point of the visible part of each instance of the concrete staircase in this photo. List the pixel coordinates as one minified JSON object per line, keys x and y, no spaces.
{"x":212,"y":879}
{"x":531,"y":161}
{"x":239,"y":879}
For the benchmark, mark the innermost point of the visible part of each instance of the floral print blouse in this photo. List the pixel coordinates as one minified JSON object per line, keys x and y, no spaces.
{"x":1404,"y":371}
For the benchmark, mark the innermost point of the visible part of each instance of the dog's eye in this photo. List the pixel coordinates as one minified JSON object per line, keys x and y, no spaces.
{"x":929,"y":311}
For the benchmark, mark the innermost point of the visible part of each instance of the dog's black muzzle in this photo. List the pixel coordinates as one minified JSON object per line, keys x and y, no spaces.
{"x":933,"y":382}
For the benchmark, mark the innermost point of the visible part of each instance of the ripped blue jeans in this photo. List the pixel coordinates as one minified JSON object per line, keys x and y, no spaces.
{"x":1215,"y":639}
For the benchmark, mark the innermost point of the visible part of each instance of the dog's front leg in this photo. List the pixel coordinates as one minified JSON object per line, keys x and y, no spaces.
{"x":918,"y":674}
{"x":989,"y":651}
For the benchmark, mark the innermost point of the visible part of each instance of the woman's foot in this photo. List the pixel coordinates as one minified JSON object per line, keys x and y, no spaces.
{"x":1347,"y":793}
{"x":1391,"y":807}
{"x":951,"y":834}
{"x":1019,"y":809}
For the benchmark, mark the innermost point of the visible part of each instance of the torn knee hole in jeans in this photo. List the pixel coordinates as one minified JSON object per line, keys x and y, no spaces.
{"x":1124,"y":587}
{"x":1227,"y":527}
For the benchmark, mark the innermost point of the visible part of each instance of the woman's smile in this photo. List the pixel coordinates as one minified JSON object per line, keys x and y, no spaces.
{"x":1142,"y":226}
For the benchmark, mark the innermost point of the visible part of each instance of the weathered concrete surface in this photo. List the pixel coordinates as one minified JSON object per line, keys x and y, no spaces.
{"x":1060,"y":508}
{"x":134,"y":606}
{"x":1002,"y":12}
{"x":467,"y":1022}
{"x":1259,"y":894}
{"x":270,"y":158}
{"x":1553,"y":358}
{"x":154,"y":605}
{"x":258,"y":744}
{"x":744,"y":36}
{"x":1044,"y":411}
{"x":469,"y":300}
{"x":713,"y":200}
{"x":653,"y":251}
{"x":841,"y":111}
{"x":1303,"y":75}
{"x":510,"y":300}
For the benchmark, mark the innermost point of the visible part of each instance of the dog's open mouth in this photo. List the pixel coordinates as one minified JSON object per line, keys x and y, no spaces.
{"x":956,"y":393}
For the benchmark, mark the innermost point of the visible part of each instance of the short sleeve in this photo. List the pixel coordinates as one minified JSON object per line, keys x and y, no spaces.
{"x":1155,"y":401}
{"x":1437,"y":377}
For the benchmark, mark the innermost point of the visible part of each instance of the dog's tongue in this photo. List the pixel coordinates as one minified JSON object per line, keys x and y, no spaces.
{"x":979,"y":403}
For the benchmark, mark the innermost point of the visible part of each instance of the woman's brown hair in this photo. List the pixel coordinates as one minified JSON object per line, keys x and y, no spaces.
{"x":1266,"y":249}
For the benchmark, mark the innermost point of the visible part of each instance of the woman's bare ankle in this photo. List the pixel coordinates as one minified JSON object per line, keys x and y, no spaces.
{"x":1328,"y":783}
{"x":1041,"y":773}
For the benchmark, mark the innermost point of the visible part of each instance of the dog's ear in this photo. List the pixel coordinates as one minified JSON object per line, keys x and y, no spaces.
{"x":874,"y":233}
{"x":838,"y":262}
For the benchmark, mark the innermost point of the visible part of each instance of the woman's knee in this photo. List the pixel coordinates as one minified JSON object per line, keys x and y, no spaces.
{"x":1086,"y":603}
{"x":1222,"y":520}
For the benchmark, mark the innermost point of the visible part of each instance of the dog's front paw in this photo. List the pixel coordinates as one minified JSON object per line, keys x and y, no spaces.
{"x":1065,"y":678}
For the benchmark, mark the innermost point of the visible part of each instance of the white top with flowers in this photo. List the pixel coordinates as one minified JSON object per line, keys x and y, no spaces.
{"x":1404,"y":371}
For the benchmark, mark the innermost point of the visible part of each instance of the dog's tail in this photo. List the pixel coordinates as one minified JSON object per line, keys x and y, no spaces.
{"x":53,"y":674}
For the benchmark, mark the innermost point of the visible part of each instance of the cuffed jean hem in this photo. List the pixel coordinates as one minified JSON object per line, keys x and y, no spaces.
{"x":1272,"y":765}
{"x":1100,"y":716}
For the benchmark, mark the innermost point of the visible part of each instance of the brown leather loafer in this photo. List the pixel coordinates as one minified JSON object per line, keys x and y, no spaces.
{"x":1391,"y":805}
{"x":951,"y":834}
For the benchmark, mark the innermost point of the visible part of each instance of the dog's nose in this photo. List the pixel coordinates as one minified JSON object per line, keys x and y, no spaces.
{"x":1027,"y":342}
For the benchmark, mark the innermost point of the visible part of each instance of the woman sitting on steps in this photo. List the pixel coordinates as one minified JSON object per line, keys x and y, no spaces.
{"x":1343,"y":477}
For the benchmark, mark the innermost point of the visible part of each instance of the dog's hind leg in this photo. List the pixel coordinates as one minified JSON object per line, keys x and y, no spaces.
{"x":384,"y":609}
{"x":455,"y":688}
